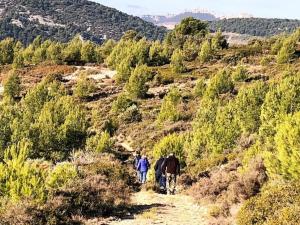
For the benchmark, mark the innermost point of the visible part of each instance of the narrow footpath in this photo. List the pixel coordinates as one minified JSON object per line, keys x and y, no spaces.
{"x":152,"y":208}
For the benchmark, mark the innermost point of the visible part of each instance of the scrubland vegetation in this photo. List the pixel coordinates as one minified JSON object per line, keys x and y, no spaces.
{"x":231,"y":115}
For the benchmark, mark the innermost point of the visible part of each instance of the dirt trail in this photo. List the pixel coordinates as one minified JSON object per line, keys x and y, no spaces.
{"x":151,"y":208}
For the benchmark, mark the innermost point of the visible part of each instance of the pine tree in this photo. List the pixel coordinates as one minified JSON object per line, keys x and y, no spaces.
{"x":88,"y":54}
{"x":177,"y":62}
{"x":287,"y":50}
{"x":285,"y":161}
{"x":72,"y":52}
{"x":123,"y":71}
{"x":84,"y":87}
{"x":240,"y":74}
{"x":7,"y":51}
{"x":205,"y":52}
{"x":221,"y":83}
{"x":136,"y":86}
{"x":18,"y":61}
{"x":12,"y":85}
{"x":169,"y":109}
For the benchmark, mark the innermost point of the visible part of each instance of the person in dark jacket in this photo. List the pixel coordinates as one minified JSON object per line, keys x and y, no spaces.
{"x":171,"y":168}
{"x":135,"y":165}
{"x":143,"y":167}
{"x":159,"y":176}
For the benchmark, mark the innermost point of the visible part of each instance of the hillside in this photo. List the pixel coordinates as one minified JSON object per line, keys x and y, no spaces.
{"x":172,"y":20}
{"x":249,"y":26}
{"x":231,"y":115}
{"x":63,"y":19}
{"x":255,"y":26}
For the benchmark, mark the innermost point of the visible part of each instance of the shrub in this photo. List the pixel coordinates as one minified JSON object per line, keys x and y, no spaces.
{"x":100,"y":143}
{"x":12,"y":85}
{"x":156,"y":54}
{"x":61,"y":127}
{"x":240,"y":74}
{"x":61,"y":175}
{"x":21,"y":178}
{"x":248,"y":107}
{"x":281,"y":99}
{"x":136,"y":86}
{"x":169,"y":108}
{"x":87,"y":52}
{"x":276,"y":202}
{"x":177,"y":62}
{"x":84,"y":87}
{"x":132,"y":114}
{"x":121,"y":104}
{"x":205,"y":52}
{"x":123,"y":71}
{"x":221,"y":83}
{"x":170,"y":144}
{"x":285,"y":161}
{"x":200,"y":87}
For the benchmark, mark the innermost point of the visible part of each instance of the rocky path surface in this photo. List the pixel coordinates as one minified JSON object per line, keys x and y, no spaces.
{"x":152,"y":208}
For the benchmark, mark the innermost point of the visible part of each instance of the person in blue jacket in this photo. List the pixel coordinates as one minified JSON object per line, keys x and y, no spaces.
{"x":143,"y":167}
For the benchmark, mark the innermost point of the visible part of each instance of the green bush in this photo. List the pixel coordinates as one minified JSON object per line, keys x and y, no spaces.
{"x":61,"y":175}
{"x":203,"y":128}
{"x":285,"y":160}
{"x":275,"y":203}
{"x":240,"y":74}
{"x":132,"y":114}
{"x":84,"y":87}
{"x":100,"y":143}
{"x":169,"y":109}
{"x":177,"y":62}
{"x":170,"y":144}
{"x":123,"y":71}
{"x":281,"y":99}
{"x":21,"y":178}
{"x":205,"y":52}
{"x":221,"y":83}
{"x":12,"y":85}
{"x":248,"y":107}
{"x":121,"y":104}
{"x":200,"y":87}
{"x":136,"y":86}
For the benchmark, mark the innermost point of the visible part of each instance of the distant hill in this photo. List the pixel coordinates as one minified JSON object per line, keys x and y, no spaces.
{"x":171,"y":20}
{"x":245,"y":24}
{"x":62,"y":19}
{"x":255,"y":26}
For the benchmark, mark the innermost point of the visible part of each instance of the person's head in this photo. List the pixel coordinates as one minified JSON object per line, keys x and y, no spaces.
{"x":144,"y":157}
{"x":137,"y":153}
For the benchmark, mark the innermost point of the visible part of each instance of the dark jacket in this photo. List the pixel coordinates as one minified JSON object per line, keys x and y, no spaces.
{"x":157,"y":167}
{"x":136,"y":161}
{"x":143,"y":165}
{"x":171,"y":165}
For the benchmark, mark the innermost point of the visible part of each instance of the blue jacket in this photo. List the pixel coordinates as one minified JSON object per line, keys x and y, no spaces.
{"x":143,"y":165}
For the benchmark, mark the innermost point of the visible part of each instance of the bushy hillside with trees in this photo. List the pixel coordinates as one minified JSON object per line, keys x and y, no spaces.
{"x":255,"y":26}
{"x":231,"y":115}
{"x":62,"y":20}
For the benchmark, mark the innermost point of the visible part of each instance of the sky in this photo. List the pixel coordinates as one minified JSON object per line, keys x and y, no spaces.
{"x":258,"y":8}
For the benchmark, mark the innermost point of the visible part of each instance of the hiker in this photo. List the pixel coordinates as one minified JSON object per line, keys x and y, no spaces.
{"x":143,"y":167}
{"x":171,"y":168}
{"x":135,"y":165}
{"x":159,"y":176}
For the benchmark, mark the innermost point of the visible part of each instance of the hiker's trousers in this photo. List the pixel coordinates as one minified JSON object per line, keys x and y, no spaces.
{"x":171,"y":183}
